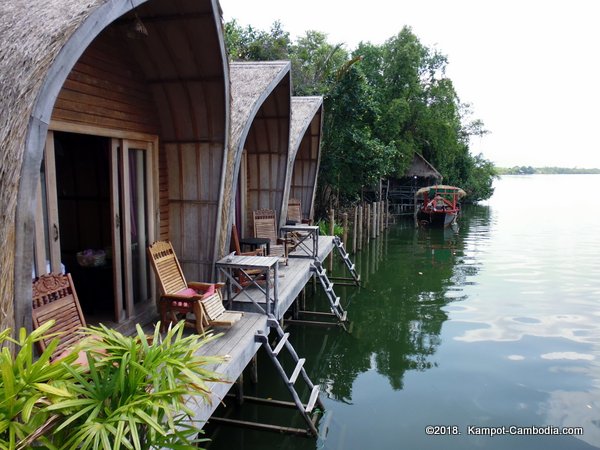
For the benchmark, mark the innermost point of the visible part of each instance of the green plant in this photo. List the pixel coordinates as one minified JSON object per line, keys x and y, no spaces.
{"x":134,"y":395}
{"x":28,"y":385}
{"x":324,"y":228}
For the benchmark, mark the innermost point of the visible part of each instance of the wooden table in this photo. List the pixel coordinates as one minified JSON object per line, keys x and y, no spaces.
{"x":305,"y":237}
{"x":257,"y":269}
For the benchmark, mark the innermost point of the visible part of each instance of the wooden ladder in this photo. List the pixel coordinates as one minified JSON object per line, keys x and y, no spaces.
{"x":334,"y":300}
{"x":346,"y":257}
{"x":306,"y":410}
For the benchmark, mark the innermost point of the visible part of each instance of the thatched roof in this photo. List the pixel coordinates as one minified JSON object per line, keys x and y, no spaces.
{"x":303,"y":112}
{"x":251,"y":84}
{"x":32,"y":33}
{"x":40,"y":41}
{"x":422,"y":168}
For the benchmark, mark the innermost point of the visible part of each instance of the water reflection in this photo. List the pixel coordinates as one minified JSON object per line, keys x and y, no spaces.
{"x":410,"y":277}
{"x":492,"y":324}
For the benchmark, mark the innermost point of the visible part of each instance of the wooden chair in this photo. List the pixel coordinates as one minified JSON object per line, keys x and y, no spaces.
{"x":179,"y":296}
{"x":55,"y":298}
{"x":216,"y":314}
{"x":265,"y":226}
{"x":295,"y":212}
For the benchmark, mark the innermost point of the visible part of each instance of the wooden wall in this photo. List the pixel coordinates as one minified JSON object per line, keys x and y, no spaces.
{"x":106,"y":89}
{"x":169,"y":83}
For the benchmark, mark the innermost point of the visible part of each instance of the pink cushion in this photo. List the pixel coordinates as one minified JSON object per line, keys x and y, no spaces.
{"x":210,"y":291}
{"x":187,"y":292}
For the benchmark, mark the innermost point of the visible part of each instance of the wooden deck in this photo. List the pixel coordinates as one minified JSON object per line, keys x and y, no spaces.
{"x":239,"y":345}
{"x":238,"y":342}
{"x":291,"y":280}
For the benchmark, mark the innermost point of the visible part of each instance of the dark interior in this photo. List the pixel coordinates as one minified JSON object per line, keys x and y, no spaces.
{"x":83,"y":193}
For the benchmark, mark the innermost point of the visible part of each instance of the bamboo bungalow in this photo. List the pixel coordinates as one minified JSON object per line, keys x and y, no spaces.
{"x":259,"y":144}
{"x":125,"y":108}
{"x":115,"y":131}
{"x":305,"y":151}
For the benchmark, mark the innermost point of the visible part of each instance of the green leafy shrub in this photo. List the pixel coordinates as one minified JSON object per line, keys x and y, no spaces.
{"x":324,"y":230}
{"x":132,"y":394}
{"x":27,"y":386}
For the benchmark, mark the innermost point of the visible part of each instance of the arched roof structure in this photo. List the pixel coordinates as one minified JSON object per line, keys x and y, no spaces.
{"x":305,"y":151}
{"x":176,"y":46}
{"x":260,"y":124}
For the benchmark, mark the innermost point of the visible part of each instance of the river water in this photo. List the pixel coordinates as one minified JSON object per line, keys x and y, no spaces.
{"x":495,"y":324}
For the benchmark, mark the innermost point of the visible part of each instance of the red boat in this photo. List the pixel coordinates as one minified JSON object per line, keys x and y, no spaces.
{"x":437,"y":206}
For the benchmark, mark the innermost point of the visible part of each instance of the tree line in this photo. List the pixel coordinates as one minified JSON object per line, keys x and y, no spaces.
{"x":529,"y":170}
{"x":382,"y":104}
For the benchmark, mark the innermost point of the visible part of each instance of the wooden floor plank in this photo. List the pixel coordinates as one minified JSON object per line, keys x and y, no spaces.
{"x":238,"y":342}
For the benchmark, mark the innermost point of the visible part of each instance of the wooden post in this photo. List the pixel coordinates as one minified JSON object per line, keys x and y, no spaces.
{"x":239,"y":395}
{"x":368,"y":220}
{"x":361,"y":217}
{"x":254,"y":369}
{"x":345,"y":225}
{"x":387,"y":213}
{"x":354,"y":225}
{"x":331,"y":233}
{"x":331,"y":222}
{"x":374,"y":226}
{"x":381,"y":216}
{"x":378,"y":218}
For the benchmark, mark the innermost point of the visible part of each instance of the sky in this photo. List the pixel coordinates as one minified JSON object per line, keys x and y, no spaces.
{"x":529,"y":69}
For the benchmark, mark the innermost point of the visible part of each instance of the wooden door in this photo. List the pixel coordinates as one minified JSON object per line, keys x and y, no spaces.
{"x":132,"y":193}
{"x":133,"y":213}
{"x":47,"y":232}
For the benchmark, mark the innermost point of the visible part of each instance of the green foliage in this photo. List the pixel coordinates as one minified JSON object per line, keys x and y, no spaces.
{"x":132,"y":395}
{"x":250,"y":44}
{"x":383,"y":104}
{"x":528,"y":170}
{"x":353,"y":156}
{"x":325,"y":228}
{"x":27,"y":386}
{"x":478,"y":179}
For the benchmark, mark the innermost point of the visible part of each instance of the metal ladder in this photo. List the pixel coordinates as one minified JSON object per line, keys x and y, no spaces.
{"x":273,"y":352}
{"x":334,"y":300}
{"x":346,"y":257}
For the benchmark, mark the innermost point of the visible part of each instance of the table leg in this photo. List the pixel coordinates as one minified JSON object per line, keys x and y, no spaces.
{"x":268,"y":291}
{"x":276,"y":289}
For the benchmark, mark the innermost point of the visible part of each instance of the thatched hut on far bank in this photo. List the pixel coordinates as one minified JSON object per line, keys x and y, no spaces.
{"x":401,"y":190}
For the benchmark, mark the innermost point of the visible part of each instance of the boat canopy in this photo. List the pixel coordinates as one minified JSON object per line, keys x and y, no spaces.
{"x":432,"y":191}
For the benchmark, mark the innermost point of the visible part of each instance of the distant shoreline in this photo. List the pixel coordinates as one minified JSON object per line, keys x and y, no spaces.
{"x":528,"y":170}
